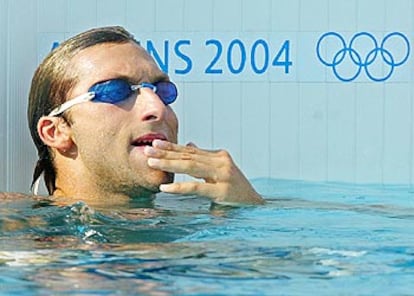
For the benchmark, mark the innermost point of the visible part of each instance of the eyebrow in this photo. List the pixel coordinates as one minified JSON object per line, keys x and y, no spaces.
{"x":133,"y":80}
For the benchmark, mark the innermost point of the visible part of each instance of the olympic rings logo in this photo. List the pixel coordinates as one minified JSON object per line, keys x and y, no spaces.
{"x":363,"y":52}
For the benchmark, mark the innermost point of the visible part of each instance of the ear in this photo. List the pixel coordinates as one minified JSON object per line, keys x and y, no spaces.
{"x":55,"y":132}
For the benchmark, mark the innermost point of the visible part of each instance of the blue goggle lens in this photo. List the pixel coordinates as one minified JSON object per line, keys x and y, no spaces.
{"x":167,"y":91}
{"x":117,"y":90}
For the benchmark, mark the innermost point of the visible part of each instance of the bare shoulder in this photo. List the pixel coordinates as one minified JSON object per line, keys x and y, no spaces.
{"x":14,"y":195}
{"x":17,"y":196}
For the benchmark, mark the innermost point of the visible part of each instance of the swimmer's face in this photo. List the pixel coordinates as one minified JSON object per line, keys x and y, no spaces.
{"x":110,"y":138}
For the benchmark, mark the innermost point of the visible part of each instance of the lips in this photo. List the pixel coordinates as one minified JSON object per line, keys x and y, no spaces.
{"x":146,"y":140}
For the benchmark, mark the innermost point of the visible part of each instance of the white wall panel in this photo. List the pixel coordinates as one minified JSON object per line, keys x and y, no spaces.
{"x":81,"y":15}
{"x":341,"y":132}
{"x":398,"y":15}
{"x":284,"y":16}
{"x":371,"y":15}
{"x":313,"y":15}
{"x":313,"y":131}
{"x":227,"y":15}
{"x":194,"y":21}
{"x":3,"y":95}
{"x":51,"y":16}
{"x":22,"y":37}
{"x":341,"y":15}
{"x":169,"y":15}
{"x":369,"y":133}
{"x":109,"y":12}
{"x":410,"y":160}
{"x":140,"y":16}
{"x":284,"y":130}
{"x":255,"y":128}
{"x":397,"y":134}
{"x":227,"y":118}
{"x":198,"y":114}
{"x":255,"y":15}
{"x":45,"y":43}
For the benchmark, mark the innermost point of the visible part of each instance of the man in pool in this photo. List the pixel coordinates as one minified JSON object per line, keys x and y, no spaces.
{"x":99,"y":114}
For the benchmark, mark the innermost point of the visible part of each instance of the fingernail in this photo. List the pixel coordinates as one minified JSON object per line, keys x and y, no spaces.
{"x":165,"y":187}
{"x":153,"y":162}
{"x":148,"y":150}
{"x":159,"y":143}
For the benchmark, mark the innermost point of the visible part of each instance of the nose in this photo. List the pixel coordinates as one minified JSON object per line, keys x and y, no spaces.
{"x":153,"y":108}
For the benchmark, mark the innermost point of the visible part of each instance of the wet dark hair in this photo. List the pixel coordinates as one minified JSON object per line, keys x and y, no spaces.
{"x":51,"y":83}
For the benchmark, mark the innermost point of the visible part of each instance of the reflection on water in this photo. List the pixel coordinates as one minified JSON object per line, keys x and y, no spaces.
{"x":329,"y":238}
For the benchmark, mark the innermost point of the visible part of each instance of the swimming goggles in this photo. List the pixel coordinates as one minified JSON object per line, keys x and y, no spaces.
{"x":117,"y":90}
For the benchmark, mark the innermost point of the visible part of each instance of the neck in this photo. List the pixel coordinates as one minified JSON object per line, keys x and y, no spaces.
{"x":101,"y":199}
{"x":75,"y":183}
{"x":71,"y":188}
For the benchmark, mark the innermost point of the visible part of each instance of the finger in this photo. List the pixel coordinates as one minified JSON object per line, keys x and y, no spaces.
{"x":180,"y":166}
{"x":214,"y":159}
{"x":215,"y":192}
{"x":212,"y":167}
{"x":152,"y":152}
{"x":190,"y":148}
{"x":189,"y":188}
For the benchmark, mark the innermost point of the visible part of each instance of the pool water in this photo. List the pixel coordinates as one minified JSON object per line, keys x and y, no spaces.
{"x":310,"y":238}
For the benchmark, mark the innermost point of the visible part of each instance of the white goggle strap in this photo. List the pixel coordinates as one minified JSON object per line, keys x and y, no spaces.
{"x":35,"y":188}
{"x":65,"y":106}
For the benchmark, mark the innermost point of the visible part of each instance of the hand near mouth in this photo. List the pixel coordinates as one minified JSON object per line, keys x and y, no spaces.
{"x":224,"y":182}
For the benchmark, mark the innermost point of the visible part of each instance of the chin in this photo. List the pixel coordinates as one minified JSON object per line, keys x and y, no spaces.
{"x":157,"y":178}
